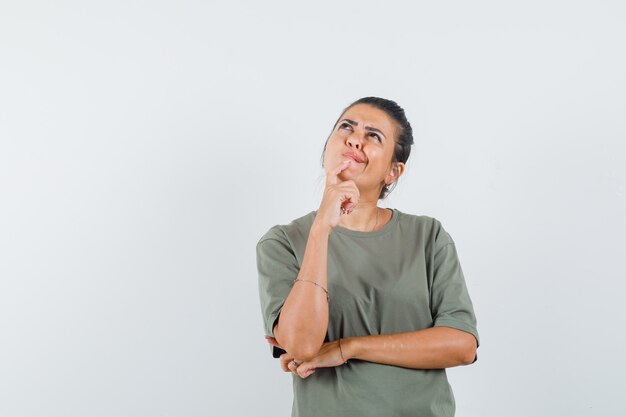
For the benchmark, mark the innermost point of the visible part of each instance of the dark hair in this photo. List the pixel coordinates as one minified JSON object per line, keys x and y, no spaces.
{"x":402,"y":147}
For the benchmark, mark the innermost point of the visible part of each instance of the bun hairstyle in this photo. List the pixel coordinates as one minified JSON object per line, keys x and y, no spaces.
{"x":402,"y":143}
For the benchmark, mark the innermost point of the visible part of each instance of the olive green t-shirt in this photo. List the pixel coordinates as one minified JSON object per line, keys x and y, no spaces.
{"x":403,"y":277}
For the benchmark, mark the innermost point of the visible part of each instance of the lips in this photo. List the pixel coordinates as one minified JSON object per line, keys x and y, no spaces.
{"x":352,"y":156}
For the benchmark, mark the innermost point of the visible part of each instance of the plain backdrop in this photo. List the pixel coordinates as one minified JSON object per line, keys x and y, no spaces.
{"x":145,"y":147}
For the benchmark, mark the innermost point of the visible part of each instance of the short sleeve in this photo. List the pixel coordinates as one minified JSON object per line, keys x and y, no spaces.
{"x":277,"y":268}
{"x":451,"y":305}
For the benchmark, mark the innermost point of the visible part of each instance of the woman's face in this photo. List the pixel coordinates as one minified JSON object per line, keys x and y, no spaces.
{"x":370,"y":134}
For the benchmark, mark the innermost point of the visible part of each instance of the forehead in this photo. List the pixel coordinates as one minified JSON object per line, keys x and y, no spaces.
{"x":366,"y":115}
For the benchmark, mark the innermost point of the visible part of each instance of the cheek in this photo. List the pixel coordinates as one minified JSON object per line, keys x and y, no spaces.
{"x":335,"y":146}
{"x":336,"y":140}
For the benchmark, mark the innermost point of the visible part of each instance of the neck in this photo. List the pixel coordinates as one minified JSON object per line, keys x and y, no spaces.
{"x":363,"y":217}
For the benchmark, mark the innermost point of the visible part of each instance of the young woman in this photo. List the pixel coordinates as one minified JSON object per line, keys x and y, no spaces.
{"x":366,"y":306}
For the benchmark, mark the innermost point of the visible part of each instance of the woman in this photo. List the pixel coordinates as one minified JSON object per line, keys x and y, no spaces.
{"x":366,"y":306}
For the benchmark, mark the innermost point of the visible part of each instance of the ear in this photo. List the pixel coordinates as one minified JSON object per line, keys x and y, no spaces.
{"x":396,"y":171}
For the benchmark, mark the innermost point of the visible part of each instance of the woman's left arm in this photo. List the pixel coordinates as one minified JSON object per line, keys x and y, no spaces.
{"x":432,"y":348}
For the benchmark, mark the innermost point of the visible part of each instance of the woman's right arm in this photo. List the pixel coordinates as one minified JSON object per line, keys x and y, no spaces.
{"x":303,"y":319}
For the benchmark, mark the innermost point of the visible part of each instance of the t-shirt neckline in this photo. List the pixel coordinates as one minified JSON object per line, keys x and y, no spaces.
{"x":390,"y":224}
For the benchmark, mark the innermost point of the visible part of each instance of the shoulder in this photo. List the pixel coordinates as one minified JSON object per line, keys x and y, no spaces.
{"x":418,"y":220}
{"x":428,"y":228}
{"x":287,"y":233}
{"x":423,"y":222}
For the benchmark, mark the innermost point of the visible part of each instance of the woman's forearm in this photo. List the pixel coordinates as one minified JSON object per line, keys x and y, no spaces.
{"x":303,"y":320}
{"x":432,"y":348}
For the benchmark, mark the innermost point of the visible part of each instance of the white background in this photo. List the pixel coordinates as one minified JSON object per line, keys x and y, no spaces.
{"x":146,"y":146}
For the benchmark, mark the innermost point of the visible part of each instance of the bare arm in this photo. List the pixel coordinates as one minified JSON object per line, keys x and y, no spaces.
{"x":303,"y":320}
{"x":433,"y":348}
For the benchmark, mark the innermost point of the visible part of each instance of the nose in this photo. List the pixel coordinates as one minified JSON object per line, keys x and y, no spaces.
{"x":354,"y":140}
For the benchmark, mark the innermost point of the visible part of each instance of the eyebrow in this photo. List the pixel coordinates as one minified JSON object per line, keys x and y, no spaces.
{"x":371,"y":129}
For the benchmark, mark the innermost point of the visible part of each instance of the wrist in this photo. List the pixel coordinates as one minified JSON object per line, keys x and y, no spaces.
{"x":319,"y":229}
{"x":349,"y":347}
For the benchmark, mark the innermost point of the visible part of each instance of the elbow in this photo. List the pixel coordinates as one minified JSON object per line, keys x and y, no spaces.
{"x":297,"y":345}
{"x":303,"y":352}
{"x":468,"y":356}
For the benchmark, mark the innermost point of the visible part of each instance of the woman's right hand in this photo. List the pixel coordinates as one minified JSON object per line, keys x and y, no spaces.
{"x":340,"y":197}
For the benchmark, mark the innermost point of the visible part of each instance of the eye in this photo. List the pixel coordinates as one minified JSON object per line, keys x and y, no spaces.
{"x":378,"y":138}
